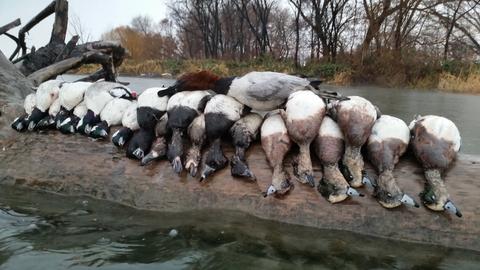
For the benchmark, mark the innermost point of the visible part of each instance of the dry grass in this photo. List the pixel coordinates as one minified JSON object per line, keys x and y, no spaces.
{"x":343,"y":78}
{"x":460,"y":84}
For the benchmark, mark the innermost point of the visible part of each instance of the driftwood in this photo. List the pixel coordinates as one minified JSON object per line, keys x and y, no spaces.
{"x":57,"y":57}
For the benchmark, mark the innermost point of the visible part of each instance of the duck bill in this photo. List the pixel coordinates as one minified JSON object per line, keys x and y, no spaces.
{"x":367,"y":180}
{"x":409,"y":201}
{"x":177,"y":165}
{"x":138,"y":153}
{"x":354,"y":193}
{"x":451,"y":208}
{"x":193,"y":170}
{"x":149,"y":158}
{"x":207,"y":171}
{"x":310,"y":180}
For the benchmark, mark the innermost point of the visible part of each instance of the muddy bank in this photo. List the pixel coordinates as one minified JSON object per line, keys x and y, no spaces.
{"x":75,"y":165}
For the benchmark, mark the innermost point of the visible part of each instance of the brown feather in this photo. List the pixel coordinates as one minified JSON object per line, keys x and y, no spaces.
{"x":201,"y":80}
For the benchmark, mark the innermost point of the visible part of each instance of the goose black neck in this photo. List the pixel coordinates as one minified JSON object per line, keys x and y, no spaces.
{"x":223,"y":85}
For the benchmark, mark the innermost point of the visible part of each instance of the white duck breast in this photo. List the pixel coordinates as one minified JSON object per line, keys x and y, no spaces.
{"x":72,"y":94}
{"x":114,"y":111}
{"x":276,"y":144}
{"x":47,"y":93}
{"x":111,"y":115}
{"x":49,"y":121}
{"x":227,"y":106}
{"x":98,"y":95}
{"x":129,"y":124}
{"x":436,"y":142}
{"x":151,"y":107}
{"x":265,"y":91}
{"x":303,"y":116}
{"x":54,"y":108}
{"x":386,"y":144}
{"x":149,"y":98}
{"x":29,"y":103}
{"x":80,"y":110}
{"x":129,"y":119}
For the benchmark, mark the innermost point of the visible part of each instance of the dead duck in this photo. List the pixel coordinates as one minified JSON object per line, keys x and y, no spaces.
{"x":20,"y":123}
{"x":68,"y":126}
{"x":97,"y":96}
{"x":197,"y":135}
{"x":150,"y":109}
{"x":159,"y":146}
{"x":261,"y":91}
{"x":221,"y":112}
{"x":329,"y":147}
{"x":387,"y":143}
{"x":243,"y":132}
{"x":70,"y":96}
{"x":182,"y":108}
{"x":46,"y":94}
{"x":111,"y":115}
{"x":303,"y":115}
{"x":276,"y":143}
{"x":48,"y":122}
{"x":355,"y":118}
{"x":436,"y":142}
{"x":129,"y":125}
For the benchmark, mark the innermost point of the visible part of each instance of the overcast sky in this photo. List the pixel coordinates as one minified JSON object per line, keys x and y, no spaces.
{"x":97,"y":17}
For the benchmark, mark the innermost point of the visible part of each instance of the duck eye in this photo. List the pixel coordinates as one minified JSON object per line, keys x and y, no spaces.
{"x":389,"y":195}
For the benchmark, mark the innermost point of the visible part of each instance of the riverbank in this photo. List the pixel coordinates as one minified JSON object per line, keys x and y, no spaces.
{"x":457,"y":78}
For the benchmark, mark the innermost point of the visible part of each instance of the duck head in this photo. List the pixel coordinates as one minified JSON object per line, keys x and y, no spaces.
{"x":214,"y":161}
{"x":68,"y":125}
{"x":239,"y":168}
{"x":20,"y":123}
{"x":281,"y":190}
{"x":35,"y":118}
{"x":100,"y":130}
{"x":175,"y":150}
{"x":123,"y":92}
{"x":61,"y":116}
{"x":121,"y":136}
{"x":85,"y":124}
{"x":437,"y":199}
{"x":336,"y":193}
{"x":389,"y":194}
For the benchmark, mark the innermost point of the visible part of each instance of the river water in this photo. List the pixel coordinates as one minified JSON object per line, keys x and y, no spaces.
{"x":46,"y":231}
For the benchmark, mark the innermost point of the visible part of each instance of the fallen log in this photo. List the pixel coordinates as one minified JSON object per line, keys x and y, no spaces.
{"x":76,"y":165}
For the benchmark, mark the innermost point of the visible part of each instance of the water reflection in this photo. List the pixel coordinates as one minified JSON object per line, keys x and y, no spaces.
{"x":44,"y":231}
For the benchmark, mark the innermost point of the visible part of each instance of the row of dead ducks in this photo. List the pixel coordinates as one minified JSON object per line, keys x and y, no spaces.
{"x":337,"y":130}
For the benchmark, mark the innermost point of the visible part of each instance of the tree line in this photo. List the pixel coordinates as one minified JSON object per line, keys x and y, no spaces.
{"x":353,"y":32}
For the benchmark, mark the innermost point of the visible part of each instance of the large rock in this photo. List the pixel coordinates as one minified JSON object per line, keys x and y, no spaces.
{"x":76,"y":165}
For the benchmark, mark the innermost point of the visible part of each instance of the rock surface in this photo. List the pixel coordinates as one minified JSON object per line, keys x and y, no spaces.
{"x":76,"y":165}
